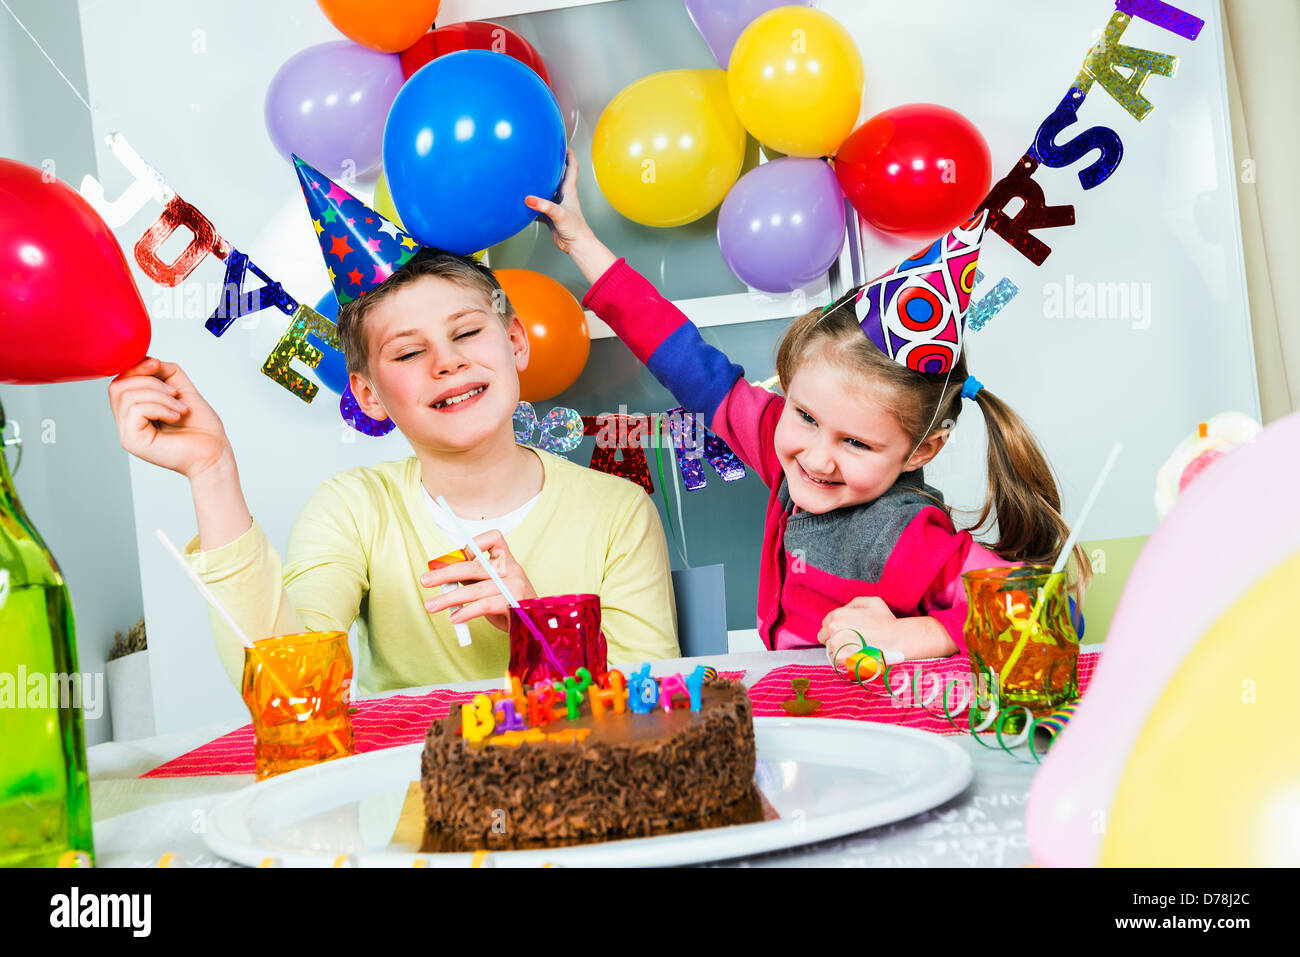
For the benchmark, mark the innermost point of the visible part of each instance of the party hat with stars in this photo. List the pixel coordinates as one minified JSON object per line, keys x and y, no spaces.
{"x":361,"y":248}
{"x":916,"y":313}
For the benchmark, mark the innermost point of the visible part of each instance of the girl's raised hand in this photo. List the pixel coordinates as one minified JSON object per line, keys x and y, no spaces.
{"x":565,"y":219}
{"x":162,"y":419}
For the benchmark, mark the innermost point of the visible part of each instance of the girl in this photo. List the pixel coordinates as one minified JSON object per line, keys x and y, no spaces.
{"x":855,"y":540}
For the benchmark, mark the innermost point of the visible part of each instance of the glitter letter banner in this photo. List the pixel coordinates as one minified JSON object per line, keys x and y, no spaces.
{"x":294,"y":345}
{"x":235,"y":302}
{"x":1034,"y":214}
{"x":1122,"y":71}
{"x":560,"y":432}
{"x":633,"y":465}
{"x":1103,"y":138}
{"x":176,"y":215}
{"x":1108,"y":54}
{"x":687,"y":429}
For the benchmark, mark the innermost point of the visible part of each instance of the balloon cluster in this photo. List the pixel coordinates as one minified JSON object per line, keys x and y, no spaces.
{"x":459,"y":123}
{"x":669,"y":148}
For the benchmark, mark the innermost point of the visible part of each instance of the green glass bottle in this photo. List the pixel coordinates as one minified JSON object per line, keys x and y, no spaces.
{"x":44,"y":788}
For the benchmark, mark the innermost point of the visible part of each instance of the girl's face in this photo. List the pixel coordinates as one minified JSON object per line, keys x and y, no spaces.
{"x":837,"y":443}
{"x":441,"y":365}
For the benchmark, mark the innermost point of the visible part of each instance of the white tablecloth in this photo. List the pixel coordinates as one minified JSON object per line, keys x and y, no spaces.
{"x":137,"y":820}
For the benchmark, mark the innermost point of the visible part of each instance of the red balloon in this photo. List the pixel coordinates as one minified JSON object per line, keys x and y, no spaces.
{"x":915,"y":171}
{"x":473,"y":35}
{"x":69,"y":308}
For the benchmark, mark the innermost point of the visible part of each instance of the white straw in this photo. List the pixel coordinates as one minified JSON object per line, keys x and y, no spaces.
{"x":463,"y":532}
{"x":501,"y":586}
{"x":1087,"y":507}
{"x":203,"y":589}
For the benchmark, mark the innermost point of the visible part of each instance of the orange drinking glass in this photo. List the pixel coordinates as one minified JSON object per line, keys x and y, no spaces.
{"x":298,"y":690}
{"x":1021,"y":640}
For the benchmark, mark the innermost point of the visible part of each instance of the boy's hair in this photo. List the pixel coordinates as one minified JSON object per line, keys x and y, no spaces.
{"x":462,"y":270}
{"x":1023,"y":498}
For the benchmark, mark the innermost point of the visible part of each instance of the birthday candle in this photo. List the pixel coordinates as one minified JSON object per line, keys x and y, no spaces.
{"x":642,"y":691}
{"x":461,"y":629}
{"x":613,"y":696}
{"x":695,"y":686}
{"x":507,"y":718}
{"x":476,"y":721}
{"x":573,"y":689}
{"x":670,"y":685}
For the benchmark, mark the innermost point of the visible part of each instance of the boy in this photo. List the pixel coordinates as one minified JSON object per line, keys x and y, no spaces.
{"x":436,"y":348}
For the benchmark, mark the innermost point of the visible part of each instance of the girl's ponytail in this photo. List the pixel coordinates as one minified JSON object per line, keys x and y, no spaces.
{"x":1022,"y":493}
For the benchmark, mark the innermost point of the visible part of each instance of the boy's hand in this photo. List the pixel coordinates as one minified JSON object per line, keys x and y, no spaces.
{"x":565,"y":219}
{"x":478,"y":594}
{"x":162,"y":419}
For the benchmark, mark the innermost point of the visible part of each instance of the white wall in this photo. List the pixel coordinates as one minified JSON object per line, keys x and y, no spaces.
{"x":73,"y":479}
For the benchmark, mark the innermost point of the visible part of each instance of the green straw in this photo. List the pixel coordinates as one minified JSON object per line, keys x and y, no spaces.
{"x":1061,"y":560}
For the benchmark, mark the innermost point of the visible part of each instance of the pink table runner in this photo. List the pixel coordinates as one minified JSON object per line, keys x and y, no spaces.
{"x":842,"y":698}
{"x":378,"y":723}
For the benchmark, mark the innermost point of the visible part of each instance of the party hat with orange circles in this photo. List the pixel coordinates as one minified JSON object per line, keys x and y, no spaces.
{"x":916,"y":313}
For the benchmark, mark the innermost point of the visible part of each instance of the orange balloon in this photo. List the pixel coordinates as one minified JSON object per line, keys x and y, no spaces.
{"x":389,"y":26}
{"x":557,"y":332}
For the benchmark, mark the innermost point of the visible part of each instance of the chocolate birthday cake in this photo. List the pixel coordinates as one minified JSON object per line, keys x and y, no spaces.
{"x":582,"y":776}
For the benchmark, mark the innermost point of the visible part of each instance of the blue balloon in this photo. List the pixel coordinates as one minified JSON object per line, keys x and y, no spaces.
{"x":332,"y":371}
{"x":468,"y":137}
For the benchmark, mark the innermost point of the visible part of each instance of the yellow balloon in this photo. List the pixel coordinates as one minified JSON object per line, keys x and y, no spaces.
{"x":795,"y":80}
{"x":668,"y":147}
{"x":1214,"y":776}
{"x":385,"y":208}
{"x":384,"y":201}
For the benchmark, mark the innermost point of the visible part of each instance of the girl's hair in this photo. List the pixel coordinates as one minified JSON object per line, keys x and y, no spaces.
{"x":1022,"y":498}
{"x":462,"y":270}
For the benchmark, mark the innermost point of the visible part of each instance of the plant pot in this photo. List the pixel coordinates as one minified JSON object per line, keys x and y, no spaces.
{"x":130,"y":696}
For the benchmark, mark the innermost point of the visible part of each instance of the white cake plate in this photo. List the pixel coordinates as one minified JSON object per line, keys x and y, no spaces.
{"x":824,"y":777}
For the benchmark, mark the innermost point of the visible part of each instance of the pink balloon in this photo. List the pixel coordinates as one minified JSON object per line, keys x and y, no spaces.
{"x":1228,"y":529}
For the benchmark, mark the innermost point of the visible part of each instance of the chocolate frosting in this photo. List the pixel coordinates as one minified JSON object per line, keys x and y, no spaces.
{"x":634,"y":775}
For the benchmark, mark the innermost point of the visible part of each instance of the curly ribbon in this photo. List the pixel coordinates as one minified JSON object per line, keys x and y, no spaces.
{"x":676,"y":528}
{"x":677,"y":494}
{"x":1037,"y":733}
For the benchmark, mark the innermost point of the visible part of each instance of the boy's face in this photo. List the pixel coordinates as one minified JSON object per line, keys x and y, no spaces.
{"x":837,"y":444}
{"x":441,"y":365}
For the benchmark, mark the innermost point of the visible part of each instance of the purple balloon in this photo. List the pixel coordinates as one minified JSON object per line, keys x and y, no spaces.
{"x":328,"y":104}
{"x":721,"y":22}
{"x":782,"y":224}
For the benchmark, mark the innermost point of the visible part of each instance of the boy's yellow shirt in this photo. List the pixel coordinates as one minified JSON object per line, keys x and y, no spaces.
{"x":365,"y":537}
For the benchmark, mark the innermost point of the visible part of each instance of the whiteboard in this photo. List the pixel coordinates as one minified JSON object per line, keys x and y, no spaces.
{"x":185,"y":81}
